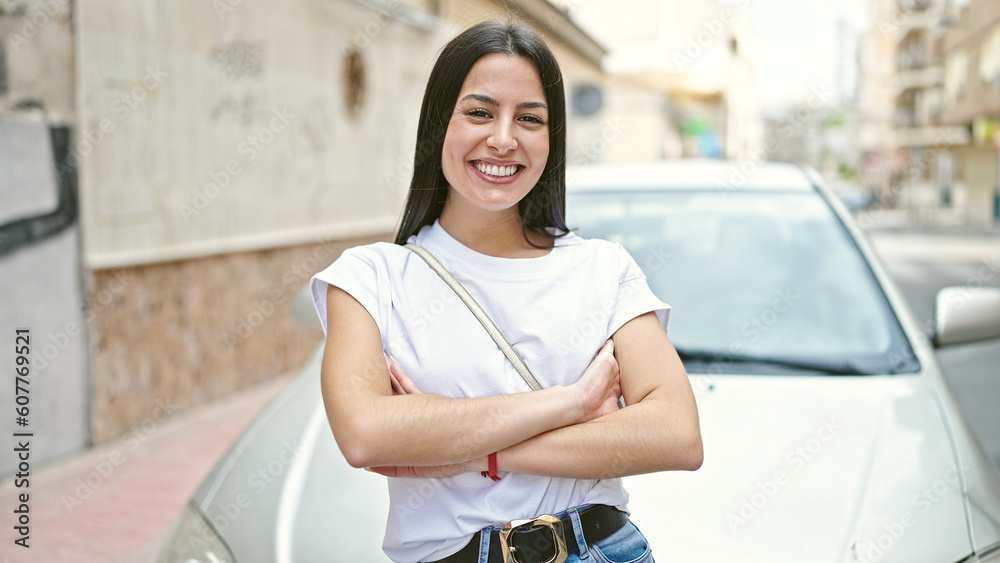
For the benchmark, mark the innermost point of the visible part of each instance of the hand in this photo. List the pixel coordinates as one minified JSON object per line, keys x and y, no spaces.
{"x":401,"y":384}
{"x":599,"y":384}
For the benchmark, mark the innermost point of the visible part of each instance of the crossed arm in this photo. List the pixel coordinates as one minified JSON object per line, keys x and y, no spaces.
{"x":564,"y":431}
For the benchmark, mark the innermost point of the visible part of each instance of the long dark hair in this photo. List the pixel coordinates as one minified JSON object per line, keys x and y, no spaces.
{"x":545,"y":205}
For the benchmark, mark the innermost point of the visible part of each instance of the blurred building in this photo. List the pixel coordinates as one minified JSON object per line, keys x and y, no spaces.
{"x":924,"y":177}
{"x":910,"y":158}
{"x":698,"y":57}
{"x":175,"y":171}
{"x":970,"y":49}
{"x":875,"y":99}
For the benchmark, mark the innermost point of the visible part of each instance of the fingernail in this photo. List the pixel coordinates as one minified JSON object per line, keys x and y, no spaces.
{"x":369,"y":469}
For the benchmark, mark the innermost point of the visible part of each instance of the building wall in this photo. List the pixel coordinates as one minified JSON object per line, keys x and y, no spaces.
{"x":978,"y":176}
{"x":876,"y":97}
{"x":37,"y":57}
{"x":976,"y":22}
{"x":977,"y":102}
{"x":919,"y":179}
{"x":41,"y":292}
{"x":207,"y":130}
{"x":173,"y":335}
{"x":744,"y":125}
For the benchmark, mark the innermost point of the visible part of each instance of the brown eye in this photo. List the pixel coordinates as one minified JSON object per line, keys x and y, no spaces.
{"x":533,"y":119}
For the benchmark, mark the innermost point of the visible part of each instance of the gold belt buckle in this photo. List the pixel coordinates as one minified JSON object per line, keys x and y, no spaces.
{"x":555,"y":527}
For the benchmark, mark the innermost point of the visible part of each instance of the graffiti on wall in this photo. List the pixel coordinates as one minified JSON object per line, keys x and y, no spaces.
{"x":26,"y":231}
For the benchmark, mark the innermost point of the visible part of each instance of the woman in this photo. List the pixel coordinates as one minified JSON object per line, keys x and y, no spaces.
{"x":487,"y":200}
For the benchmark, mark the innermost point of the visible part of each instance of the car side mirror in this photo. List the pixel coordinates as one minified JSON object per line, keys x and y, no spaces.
{"x":304,"y":312}
{"x":966,"y":314}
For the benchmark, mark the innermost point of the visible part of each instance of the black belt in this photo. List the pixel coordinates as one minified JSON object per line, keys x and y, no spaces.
{"x":598,"y":522}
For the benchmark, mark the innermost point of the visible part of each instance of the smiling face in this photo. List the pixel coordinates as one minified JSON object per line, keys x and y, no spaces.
{"x":497,"y":142}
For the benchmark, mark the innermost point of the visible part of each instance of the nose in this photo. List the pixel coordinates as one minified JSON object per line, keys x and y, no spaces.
{"x":502,"y":138}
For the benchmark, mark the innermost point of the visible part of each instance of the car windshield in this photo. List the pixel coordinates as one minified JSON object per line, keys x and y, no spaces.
{"x":759,"y":282}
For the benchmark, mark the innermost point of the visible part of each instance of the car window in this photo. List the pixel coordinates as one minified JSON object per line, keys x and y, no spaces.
{"x":753,"y":276}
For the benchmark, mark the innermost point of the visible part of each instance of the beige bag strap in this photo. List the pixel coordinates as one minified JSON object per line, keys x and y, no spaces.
{"x":480,"y":314}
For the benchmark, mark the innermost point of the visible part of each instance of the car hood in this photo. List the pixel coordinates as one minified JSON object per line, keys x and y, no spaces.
{"x":841,"y":469}
{"x":844,"y":469}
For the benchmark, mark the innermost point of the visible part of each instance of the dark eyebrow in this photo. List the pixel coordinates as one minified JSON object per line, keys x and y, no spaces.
{"x":491,"y":101}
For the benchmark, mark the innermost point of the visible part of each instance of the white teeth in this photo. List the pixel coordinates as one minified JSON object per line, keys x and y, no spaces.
{"x":494,"y":170}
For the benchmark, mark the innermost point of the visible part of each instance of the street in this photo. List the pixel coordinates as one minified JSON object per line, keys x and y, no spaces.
{"x":921,"y":263}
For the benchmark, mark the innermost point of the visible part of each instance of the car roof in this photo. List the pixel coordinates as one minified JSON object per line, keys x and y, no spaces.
{"x":689,"y":174}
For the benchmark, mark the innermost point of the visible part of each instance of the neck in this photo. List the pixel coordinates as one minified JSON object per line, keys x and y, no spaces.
{"x":499,"y":234}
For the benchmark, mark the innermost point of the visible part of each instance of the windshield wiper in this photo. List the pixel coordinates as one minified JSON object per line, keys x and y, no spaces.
{"x":833,"y":368}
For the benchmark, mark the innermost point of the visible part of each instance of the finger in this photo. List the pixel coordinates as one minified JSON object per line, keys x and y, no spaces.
{"x":614,"y":389}
{"x":608,"y":352}
{"x":610,"y":405}
{"x":611,"y":363}
{"x":405,"y":383}
{"x":396,"y":387}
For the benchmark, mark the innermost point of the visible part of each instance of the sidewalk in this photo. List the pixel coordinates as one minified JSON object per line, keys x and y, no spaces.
{"x":116,"y":503}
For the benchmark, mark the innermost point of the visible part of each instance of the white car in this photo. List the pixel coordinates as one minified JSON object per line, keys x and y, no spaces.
{"x":829,"y":432}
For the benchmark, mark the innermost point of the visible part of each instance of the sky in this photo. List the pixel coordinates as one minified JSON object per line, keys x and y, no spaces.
{"x":797,"y":46}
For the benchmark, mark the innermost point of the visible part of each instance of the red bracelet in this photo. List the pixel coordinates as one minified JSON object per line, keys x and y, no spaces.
{"x":492,"y":465}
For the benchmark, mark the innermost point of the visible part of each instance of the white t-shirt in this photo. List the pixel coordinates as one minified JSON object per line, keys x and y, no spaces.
{"x":556,"y":310}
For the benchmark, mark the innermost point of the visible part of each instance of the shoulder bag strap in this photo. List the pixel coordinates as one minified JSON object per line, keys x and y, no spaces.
{"x":480,"y":314}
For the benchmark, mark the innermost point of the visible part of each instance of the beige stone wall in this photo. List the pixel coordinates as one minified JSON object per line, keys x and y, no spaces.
{"x":178,"y":334}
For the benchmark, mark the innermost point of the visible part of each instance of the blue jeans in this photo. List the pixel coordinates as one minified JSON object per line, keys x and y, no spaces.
{"x":627,"y":545}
